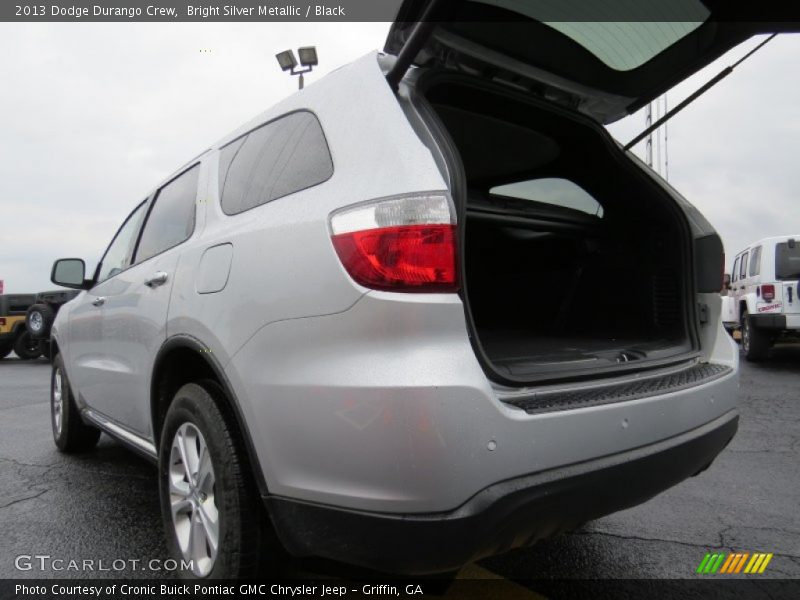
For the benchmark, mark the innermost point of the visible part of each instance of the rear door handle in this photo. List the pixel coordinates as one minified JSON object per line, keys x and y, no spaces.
{"x":99,"y":301}
{"x":156,"y":279}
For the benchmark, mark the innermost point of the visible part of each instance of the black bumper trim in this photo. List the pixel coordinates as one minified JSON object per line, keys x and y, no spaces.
{"x":777,"y":322}
{"x":506,"y":515}
{"x":609,"y":393}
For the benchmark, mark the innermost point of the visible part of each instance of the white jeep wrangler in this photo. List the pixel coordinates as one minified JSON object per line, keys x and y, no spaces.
{"x":762,"y":297}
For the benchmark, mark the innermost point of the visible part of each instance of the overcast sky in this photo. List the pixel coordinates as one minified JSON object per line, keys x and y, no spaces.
{"x":94,"y":115}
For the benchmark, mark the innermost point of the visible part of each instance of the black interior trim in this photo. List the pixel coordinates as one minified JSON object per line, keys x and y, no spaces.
{"x":471,"y":87}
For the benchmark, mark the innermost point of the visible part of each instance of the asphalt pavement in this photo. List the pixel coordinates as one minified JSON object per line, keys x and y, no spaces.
{"x":103,"y":506}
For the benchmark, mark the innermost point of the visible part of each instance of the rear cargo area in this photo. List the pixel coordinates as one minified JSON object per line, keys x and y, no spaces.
{"x":574,"y":263}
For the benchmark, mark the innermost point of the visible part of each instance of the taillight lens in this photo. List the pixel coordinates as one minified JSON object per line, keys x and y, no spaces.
{"x":2,"y":321}
{"x":399,"y":244}
{"x":768,"y":292}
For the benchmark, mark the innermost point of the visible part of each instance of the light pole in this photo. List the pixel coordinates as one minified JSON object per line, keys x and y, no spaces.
{"x":308,"y":60}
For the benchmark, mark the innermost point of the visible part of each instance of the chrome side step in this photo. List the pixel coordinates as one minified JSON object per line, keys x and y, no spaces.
{"x":128,"y":438}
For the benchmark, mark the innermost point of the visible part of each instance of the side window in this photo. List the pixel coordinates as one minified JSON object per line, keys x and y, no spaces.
{"x":743,"y":268}
{"x":755,"y":262}
{"x":171,"y":219}
{"x":551,"y":190}
{"x":280,"y":158}
{"x":118,"y":255}
{"x":787,"y":260}
{"x":735,"y":273}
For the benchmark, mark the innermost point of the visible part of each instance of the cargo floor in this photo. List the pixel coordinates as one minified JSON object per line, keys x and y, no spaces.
{"x":521,"y":352}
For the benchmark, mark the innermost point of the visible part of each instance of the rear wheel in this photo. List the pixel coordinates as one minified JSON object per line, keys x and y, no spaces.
{"x":47,"y":349}
{"x":27,"y":347}
{"x":211,"y":510}
{"x":755,"y":342}
{"x":38,"y":320}
{"x":70,"y":433}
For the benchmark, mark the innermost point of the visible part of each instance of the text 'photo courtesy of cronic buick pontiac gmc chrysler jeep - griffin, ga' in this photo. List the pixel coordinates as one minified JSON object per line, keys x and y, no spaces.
{"x":424,"y":311}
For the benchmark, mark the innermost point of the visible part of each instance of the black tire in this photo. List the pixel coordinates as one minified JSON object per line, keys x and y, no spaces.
{"x":70,"y":434}
{"x":5,"y":350}
{"x":39,"y":319}
{"x":755,"y":342}
{"x":246,"y":544}
{"x":26,"y":347}
{"x":46,"y":349}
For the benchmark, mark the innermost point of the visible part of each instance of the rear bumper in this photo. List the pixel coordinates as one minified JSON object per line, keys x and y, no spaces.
{"x":773,"y":322}
{"x":396,"y":416}
{"x":793,"y":322}
{"x":505,"y":515}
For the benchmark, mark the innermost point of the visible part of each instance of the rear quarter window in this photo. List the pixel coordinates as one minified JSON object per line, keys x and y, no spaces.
{"x":282,"y":157}
{"x":555,"y":191}
{"x":755,"y":262}
{"x":787,"y":261}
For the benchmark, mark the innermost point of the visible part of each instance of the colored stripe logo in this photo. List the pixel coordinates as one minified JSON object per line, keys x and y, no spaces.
{"x":734,"y":563}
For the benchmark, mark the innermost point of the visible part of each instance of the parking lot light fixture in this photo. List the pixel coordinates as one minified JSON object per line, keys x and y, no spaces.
{"x":308,"y":60}
{"x":308,"y":56}
{"x":286,"y":60}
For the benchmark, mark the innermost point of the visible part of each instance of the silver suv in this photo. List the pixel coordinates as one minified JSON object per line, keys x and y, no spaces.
{"x":423,"y":311}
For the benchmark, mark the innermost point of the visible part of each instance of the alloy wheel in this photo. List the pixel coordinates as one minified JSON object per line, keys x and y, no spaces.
{"x":746,"y":337}
{"x":195,"y":517}
{"x":36,"y":322}
{"x":58,"y":401}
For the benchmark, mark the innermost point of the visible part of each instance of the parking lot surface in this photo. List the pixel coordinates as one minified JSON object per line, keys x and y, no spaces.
{"x":104,"y":505}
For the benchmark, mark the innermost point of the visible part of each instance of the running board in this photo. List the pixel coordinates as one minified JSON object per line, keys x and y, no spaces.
{"x":118,"y":432}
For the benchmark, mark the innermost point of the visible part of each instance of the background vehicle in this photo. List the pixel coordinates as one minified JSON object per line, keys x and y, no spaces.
{"x":25,"y":322}
{"x":404,"y":393}
{"x":728,"y":309}
{"x":765,"y":283}
{"x":40,"y":315}
{"x":13,"y":334}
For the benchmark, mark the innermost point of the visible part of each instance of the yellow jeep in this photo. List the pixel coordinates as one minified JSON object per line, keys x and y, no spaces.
{"x":13,"y":333}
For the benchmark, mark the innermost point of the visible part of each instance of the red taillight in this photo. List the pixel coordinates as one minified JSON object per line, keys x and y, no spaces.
{"x":768,"y":292}
{"x":399,"y":244}
{"x":416,"y":258}
{"x":2,"y":321}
